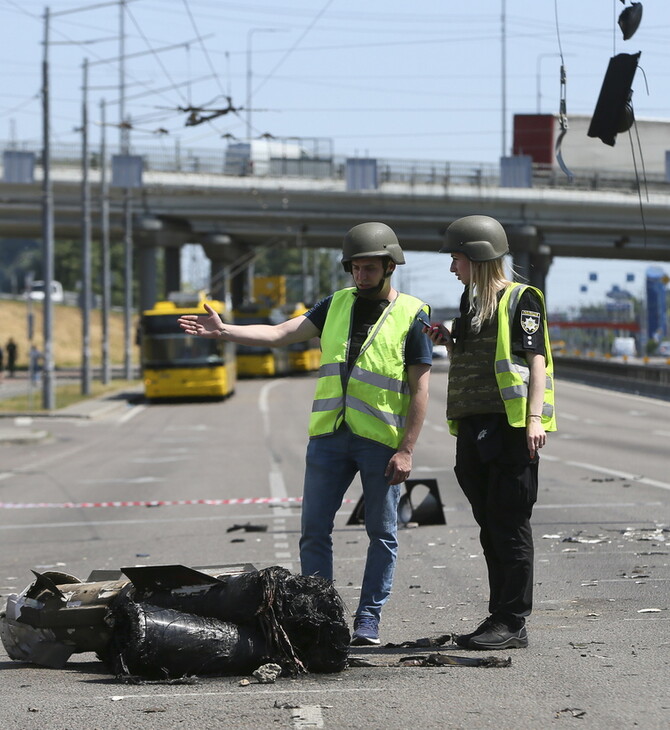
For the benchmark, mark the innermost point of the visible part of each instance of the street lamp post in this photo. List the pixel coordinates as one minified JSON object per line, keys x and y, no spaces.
{"x":250,"y":35}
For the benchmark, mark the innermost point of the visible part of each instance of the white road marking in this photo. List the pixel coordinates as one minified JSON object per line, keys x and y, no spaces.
{"x":176,"y":695}
{"x":134,"y":411}
{"x":307,"y":716}
{"x":637,"y":478}
{"x":133,"y":480}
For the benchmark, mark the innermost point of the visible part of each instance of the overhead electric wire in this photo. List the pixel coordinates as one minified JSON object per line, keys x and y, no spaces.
{"x":204,"y":47}
{"x":155,"y":55}
{"x":286,"y":55}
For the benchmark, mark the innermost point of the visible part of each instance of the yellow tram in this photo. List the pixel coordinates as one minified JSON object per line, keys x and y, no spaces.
{"x":177,"y":365}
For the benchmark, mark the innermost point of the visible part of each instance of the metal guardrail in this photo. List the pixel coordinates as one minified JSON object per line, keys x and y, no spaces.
{"x":413,"y":172}
{"x":642,"y":379}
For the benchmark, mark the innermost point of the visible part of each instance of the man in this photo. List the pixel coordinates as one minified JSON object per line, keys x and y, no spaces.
{"x":12,"y":352}
{"x":369,"y":406}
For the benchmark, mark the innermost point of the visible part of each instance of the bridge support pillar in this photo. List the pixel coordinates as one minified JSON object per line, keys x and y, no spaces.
{"x":148,"y":275}
{"x":229,"y":261}
{"x":532,"y":258}
{"x":540,"y":263}
{"x":172,"y":269}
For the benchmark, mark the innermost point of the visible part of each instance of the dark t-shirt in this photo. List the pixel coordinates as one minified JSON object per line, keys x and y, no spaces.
{"x":418,"y":348}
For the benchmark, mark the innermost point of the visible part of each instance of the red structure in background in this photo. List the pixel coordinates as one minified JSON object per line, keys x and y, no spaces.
{"x":534,"y":136}
{"x":628,"y":326}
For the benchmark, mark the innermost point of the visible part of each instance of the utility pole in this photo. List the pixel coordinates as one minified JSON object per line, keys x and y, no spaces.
{"x":104,"y":229}
{"x":503,"y":71}
{"x":48,"y":400}
{"x":124,"y":136}
{"x":86,"y":243}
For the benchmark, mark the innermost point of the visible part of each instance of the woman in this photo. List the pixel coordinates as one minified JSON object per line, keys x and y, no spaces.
{"x":499,"y":406}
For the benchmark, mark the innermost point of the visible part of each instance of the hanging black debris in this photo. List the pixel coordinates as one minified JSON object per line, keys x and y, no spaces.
{"x":629,"y":20}
{"x":614,"y":112}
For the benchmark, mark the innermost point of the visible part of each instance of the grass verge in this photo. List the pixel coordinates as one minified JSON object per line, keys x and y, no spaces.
{"x":65,"y":395}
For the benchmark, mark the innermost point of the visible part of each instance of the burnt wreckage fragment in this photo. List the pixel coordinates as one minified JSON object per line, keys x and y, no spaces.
{"x":172,"y":621}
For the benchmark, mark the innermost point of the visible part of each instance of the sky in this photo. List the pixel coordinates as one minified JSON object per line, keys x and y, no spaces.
{"x":385,"y":78}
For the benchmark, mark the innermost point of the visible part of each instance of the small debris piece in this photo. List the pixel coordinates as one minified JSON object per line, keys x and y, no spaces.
{"x":571,"y":711}
{"x":425,"y":643}
{"x":449,"y":660}
{"x":649,"y":610}
{"x":244,"y":682}
{"x":267,"y":673}
{"x":248,"y":527}
{"x":149,"y":710}
{"x":357,"y":661}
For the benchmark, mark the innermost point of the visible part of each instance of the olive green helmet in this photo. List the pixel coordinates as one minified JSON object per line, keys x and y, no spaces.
{"x":370,"y":239}
{"x":478,"y":237}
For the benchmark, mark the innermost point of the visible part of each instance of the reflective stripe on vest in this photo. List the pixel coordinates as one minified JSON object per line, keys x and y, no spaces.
{"x":374,"y":397}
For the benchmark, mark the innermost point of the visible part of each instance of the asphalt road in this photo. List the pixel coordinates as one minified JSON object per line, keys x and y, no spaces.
{"x":599,"y":634}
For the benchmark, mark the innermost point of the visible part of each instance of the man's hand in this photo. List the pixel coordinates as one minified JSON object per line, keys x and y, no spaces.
{"x":201,"y":325}
{"x":399,"y":467}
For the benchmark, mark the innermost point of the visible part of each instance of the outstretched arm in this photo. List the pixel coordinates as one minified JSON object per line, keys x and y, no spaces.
{"x":400,"y":464}
{"x":297,"y":329}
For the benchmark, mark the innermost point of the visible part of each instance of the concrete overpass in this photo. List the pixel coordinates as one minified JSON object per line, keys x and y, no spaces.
{"x":233,"y":216}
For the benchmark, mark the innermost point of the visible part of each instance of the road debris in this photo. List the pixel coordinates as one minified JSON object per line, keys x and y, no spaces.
{"x":169,"y":622}
{"x":248,"y":527}
{"x":267,"y":673}
{"x":425,"y":643}
{"x":571,"y":712}
{"x":433,"y":660}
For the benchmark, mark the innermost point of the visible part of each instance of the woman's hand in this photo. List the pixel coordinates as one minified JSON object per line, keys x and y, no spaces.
{"x":536,"y":436}
{"x":439,"y":334}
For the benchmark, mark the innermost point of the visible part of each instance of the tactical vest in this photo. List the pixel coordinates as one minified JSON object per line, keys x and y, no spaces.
{"x":373,"y":397}
{"x":511,"y":371}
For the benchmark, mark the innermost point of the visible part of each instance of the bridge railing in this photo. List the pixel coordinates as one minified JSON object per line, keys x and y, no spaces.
{"x":175,"y":159}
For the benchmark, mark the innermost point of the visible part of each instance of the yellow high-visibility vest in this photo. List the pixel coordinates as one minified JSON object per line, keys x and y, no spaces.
{"x":373,"y":398}
{"x":512,"y":371}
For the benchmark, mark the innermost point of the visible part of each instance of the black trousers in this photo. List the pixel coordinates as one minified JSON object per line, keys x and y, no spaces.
{"x":497,"y":475}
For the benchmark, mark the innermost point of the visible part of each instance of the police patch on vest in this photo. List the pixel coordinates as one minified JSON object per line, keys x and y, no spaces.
{"x":530,"y":321}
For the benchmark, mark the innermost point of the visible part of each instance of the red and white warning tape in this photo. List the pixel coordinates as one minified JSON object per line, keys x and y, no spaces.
{"x":152,"y":503}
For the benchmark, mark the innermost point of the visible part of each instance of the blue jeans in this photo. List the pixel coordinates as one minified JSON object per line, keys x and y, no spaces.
{"x":332,"y":463}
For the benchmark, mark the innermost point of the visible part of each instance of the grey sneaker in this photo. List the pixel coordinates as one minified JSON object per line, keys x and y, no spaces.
{"x":366,"y":631}
{"x":464,"y":639}
{"x":499,"y":636}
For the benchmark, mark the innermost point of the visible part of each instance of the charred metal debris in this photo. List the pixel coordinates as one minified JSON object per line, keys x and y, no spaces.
{"x":172,"y":621}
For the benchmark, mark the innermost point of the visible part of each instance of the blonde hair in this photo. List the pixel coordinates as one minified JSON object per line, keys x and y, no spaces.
{"x":487,"y":278}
